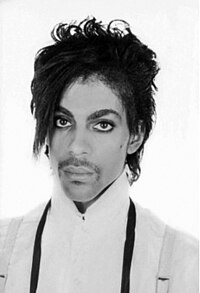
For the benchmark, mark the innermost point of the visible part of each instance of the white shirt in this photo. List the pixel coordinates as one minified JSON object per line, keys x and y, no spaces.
{"x":84,"y":253}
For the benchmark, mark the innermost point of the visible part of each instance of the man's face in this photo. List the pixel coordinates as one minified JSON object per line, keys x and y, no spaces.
{"x":90,"y":140}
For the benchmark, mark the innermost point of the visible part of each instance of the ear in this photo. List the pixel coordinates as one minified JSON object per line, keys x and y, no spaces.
{"x":135,"y":141}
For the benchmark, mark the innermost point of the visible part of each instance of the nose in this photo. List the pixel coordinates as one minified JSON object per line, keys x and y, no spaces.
{"x":79,"y":143}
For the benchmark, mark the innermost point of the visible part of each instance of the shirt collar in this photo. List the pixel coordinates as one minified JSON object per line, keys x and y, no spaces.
{"x":108,"y":205}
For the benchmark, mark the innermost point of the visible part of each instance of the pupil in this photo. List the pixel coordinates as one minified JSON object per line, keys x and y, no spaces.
{"x":103,"y":124}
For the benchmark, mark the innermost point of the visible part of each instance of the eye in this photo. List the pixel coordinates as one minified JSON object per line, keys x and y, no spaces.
{"x":104,"y":126}
{"x":61,"y":122}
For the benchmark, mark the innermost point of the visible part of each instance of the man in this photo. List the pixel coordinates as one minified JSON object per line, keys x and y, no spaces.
{"x":94,"y":108}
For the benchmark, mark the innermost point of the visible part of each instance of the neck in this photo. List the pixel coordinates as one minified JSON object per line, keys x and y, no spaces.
{"x":82,"y":206}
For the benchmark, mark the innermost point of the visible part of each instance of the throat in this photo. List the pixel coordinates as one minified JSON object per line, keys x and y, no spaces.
{"x":82,"y":206}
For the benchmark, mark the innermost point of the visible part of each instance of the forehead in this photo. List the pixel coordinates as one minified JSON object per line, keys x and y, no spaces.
{"x":89,"y":96}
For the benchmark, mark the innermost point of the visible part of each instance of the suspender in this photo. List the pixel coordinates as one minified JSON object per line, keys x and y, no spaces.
{"x":128,"y":250}
{"x":7,"y":250}
{"x":37,"y":251}
{"x":163,"y":276}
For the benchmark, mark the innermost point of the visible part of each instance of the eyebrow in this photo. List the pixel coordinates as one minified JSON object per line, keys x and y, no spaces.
{"x":103,"y":112}
{"x":64,"y":111}
{"x":93,"y":116}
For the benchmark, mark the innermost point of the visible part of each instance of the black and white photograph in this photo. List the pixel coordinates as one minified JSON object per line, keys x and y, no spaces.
{"x":99,"y":146}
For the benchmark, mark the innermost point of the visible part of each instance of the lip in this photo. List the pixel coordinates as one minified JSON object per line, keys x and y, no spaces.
{"x":79,"y":171}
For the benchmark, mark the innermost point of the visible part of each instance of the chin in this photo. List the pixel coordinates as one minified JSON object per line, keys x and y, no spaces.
{"x":80,"y":193}
{"x":82,"y":198}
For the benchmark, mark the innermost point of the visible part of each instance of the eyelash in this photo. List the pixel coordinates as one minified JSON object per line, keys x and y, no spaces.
{"x":109,"y":123}
{"x":57,"y":118}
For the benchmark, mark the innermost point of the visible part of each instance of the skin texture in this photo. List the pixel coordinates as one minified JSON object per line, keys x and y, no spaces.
{"x":90,"y":141}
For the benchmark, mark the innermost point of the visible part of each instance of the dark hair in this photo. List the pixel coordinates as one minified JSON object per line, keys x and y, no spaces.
{"x":110,"y":52}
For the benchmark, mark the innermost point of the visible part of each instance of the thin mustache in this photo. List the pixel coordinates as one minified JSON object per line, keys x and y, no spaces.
{"x":72,"y":161}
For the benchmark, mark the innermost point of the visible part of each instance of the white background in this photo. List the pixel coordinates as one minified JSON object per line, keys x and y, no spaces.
{"x":169,"y":180}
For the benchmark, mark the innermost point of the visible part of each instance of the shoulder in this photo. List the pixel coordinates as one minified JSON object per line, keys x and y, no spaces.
{"x":151,"y":224}
{"x":28,"y":221}
{"x":184,"y":256}
{"x":148,"y":224}
{"x":185,"y":261}
{"x":148,"y":221}
{"x":149,"y":233}
{"x":185,"y":242}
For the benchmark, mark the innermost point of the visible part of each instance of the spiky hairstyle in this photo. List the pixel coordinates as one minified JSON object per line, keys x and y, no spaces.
{"x":110,"y":52}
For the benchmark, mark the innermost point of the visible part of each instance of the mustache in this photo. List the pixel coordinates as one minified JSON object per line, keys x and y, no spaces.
{"x":73,"y":161}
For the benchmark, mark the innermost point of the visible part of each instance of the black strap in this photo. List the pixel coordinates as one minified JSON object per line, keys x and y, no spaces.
{"x":128,"y":249}
{"x":37,"y":251}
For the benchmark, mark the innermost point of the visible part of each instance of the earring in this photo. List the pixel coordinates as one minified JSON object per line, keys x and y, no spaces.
{"x":47,"y":151}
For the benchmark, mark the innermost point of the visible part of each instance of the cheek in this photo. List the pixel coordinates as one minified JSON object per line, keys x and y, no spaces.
{"x":57,"y":143}
{"x":56,"y":149}
{"x":114,"y":154}
{"x":124,"y":144}
{"x":124,"y":148}
{"x":122,"y":151}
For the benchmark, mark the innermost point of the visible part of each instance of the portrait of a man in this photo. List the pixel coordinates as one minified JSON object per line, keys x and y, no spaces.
{"x":93,"y":100}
